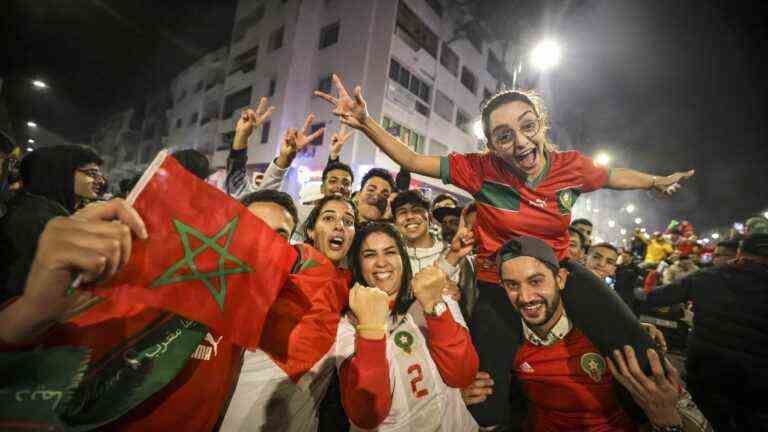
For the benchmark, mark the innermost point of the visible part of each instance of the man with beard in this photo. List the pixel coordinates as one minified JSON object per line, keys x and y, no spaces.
{"x":560,"y":372}
{"x":586,"y":228}
{"x":448,"y":217}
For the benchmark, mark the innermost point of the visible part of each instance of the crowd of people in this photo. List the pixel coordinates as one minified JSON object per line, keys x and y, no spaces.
{"x":496,"y":314}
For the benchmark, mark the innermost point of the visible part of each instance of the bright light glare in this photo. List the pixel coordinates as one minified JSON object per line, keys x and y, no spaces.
{"x":546,"y":55}
{"x":603,"y":159}
{"x":31,"y":124}
{"x":765,"y":215}
{"x":596,"y":210}
{"x":642,"y":230}
{"x":611,"y":223}
{"x":477,"y":129}
{"x":29,"y":149}
{"x":630,"y":208}
{"x":39,"y":84}
{"x":739,"y":226}
{"x":638,"y":221}
{"x":623,"y":231}
{"x":31,"y":141}
{"x":715,"y":236}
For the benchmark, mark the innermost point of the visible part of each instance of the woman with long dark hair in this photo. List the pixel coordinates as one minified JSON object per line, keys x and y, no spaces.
{"x":403,"y":350}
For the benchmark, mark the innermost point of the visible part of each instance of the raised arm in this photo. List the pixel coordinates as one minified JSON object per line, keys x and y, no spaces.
{"x":354,"y":113}
{"x":624,"y":178}
{"x":236,"y":183}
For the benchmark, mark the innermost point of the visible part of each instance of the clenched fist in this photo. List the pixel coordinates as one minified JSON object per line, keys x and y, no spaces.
{"x":428,"y":287}
{"x":370,"y":305}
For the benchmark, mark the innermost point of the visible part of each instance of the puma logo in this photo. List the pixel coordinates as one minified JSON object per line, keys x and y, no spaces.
{"x":203,"y":352}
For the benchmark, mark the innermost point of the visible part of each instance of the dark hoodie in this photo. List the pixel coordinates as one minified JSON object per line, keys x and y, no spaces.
{"x":48,"y":176}
{"x":727,"y":363}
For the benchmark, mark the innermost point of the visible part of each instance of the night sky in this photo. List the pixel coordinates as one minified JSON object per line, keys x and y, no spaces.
{"x":661,"y":85}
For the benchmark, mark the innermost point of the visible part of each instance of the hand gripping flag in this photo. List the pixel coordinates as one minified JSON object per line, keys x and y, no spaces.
{"x":207,"y":257}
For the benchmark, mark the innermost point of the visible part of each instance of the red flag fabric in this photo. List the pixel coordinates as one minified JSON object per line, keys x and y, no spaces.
{"x":301,"y":325}
{"x":207,"y":257}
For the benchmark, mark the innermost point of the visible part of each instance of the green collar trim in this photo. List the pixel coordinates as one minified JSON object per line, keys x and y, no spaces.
{"x":535,"y":182}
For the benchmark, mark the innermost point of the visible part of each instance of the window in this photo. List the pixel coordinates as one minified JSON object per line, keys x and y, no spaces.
{"x":193,"y":119}
{"x":178,"y":123}
{"x":436,"y":6}
{"x":276,"y":39}
{"x":265,"y":127}
{"x":272,"y":87}
{"x":245,"y":61}
{"x":329,"y":35}
{"x":486,"y":94}
{"x":462,"y":120}
{"x":469,"y":80}
{"x":324,"y":85}
{"x":408,"y":136}
{"x":408,"y":80}
{"x":422,"y":109}
{"x":443,"y":106}
{"x":236,"y":101}
{"x":414,"y":32}
{"x":242,"y":26}
{"x":449,"y":59}
{"x":199,"y":86}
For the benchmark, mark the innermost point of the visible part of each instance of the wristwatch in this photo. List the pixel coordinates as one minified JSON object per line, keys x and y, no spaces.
{"x":437,"y":309}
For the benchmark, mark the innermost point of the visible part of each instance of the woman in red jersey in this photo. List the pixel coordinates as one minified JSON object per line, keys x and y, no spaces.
{"x":522,"y":186}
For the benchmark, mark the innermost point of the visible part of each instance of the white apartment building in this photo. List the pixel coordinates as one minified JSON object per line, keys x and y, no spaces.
{"x":423,"y":76}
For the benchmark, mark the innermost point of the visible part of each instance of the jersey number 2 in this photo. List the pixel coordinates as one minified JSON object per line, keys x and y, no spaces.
{"x":416,"y":380}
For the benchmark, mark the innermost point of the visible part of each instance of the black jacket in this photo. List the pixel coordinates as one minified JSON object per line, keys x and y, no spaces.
{"x":728,"y":349}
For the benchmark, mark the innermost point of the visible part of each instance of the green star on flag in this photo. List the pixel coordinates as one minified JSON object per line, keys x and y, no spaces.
{"x":170,"y":275}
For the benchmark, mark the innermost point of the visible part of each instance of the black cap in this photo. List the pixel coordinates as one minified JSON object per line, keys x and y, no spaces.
{"x":527,"y":246}
{"x":441,"y":212}
{"x":755,"y":244}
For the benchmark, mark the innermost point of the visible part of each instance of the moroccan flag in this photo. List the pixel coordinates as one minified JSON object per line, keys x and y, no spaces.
{"x":207,"y":257}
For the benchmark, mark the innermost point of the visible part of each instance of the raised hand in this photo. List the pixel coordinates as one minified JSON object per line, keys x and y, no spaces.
{"x":248,"y":121}
{"x":352,"y":112}
{"x":461,"y":245}
{"x":658,"y":394}
{"x":479,"y":390}
{"x":371,"y":308}
{"x":671,"y":183}
{"x":295,"y":141}
{"x":338,"y":139}
{"x":428,"y":287}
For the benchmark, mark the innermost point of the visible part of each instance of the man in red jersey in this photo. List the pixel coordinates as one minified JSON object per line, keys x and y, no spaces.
{"x":565,"y":380}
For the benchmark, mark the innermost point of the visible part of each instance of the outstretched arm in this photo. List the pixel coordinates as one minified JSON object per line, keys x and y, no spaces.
{"x":624,"y":178}
{"x":353,"y":112}
{"x":236,"y":183}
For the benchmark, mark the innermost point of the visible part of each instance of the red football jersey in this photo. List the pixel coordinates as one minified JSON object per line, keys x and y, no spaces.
{"x":508,"y":206}
{"x":569,"y":387}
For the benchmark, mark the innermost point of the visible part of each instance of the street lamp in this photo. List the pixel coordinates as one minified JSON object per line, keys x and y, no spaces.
{"x":715,"y":236}
{"x":765,"y":215}
{"x":611,"y":223}
{"x":630,"y":208}
{"x":638,"y":221}
{"x":603,"y":159}
{"x":39,"y":84}
{"x":623,"y":231}
{"x":546,"y":55}
{"x":31,"y":141}
{"x":31,"y":124}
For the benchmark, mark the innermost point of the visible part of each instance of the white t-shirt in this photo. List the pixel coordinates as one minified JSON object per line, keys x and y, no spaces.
{"x":266,"y":399}
{"x":421,"y":401}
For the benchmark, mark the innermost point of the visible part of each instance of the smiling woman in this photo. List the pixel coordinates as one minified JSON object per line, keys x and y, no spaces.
{"x":403,"y":350}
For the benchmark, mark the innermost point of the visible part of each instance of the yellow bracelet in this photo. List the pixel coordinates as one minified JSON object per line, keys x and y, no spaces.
{"x":371,"y":327}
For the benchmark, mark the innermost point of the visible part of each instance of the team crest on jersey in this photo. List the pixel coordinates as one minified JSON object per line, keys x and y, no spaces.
{"x":404,"y":340}
{"x":593,"y":364}
{"x":566,"y":198}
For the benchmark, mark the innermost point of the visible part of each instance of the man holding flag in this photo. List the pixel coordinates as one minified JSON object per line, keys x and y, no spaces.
{"x":158,"y":345}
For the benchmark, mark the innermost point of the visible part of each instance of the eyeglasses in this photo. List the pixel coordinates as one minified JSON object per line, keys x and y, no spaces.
{"x":93,"y":173}
{"x":505,"y":134}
